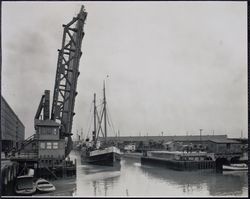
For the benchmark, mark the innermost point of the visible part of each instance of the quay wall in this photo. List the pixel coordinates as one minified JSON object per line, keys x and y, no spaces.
{"x":9,"y":171}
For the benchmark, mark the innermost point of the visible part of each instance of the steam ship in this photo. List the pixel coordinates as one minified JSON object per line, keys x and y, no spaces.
{"x":96,"y":152}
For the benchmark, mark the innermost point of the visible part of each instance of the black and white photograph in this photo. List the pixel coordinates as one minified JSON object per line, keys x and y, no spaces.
{"x":124,"y":99}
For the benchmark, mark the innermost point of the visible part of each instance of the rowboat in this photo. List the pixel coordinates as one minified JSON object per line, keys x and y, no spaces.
{"x":235,"y":167}
{"x":43,"y":185}
{"x":25,"y":185}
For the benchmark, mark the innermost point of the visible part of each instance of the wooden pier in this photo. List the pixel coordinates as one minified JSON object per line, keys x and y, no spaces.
{"x":9,"y":171}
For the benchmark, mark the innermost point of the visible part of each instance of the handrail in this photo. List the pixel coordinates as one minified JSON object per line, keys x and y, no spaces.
{"x":27,"y":141}
{"x":26,"y":155}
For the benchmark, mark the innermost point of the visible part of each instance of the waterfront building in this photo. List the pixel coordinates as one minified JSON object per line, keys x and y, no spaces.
{"x":211,"y":145}
{"x":12,"y":129}
{"x":223,"y":145}
{"x":130,"y":147}
{"x":50,"y":146}
{"x":157,"y":142}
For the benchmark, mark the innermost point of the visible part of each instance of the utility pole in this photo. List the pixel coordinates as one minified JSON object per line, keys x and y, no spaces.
{"x":200,"y":133}
{"x":81,"y":134}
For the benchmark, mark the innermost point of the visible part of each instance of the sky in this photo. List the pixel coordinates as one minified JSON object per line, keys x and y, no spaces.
{"x":172,"y":67}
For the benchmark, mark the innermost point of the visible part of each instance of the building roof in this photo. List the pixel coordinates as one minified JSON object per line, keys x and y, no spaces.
{"x":224,"y":141}
{"x":165,"y":138}
{"x":166,"y":143}
{"x":193,"y":153}
{"x":46,"y":123}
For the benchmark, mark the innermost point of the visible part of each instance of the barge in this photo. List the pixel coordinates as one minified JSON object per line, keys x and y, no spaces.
{"x":179,"y":160}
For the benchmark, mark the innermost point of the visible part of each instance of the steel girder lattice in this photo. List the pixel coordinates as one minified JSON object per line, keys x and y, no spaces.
{"x":67,"y":74}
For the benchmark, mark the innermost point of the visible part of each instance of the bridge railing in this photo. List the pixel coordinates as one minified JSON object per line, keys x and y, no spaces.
{"x":27,"y":155}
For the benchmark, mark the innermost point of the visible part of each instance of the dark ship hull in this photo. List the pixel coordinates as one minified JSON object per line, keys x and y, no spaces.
{"x":109,"y":156}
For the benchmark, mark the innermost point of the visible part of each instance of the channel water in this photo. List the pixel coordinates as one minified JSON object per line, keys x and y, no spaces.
{"x":134,"y":179}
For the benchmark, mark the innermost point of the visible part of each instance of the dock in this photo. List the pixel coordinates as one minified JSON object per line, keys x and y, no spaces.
{"x":9,"y":171}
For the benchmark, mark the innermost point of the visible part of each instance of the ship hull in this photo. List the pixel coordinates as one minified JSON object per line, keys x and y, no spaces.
{"x":107,"y":157}
{"x":234,"y":168}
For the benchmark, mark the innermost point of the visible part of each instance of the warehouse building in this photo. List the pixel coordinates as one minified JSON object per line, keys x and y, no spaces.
{"x":158,"y":142}
{"x":12,"y":129}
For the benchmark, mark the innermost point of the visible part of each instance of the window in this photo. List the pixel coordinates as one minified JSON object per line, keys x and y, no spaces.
{"x":42,"y":145}
{"x":191,"y":158}
{"x":55,"y":131}
{"x":55,"y":145}
{"x":48,"y":145}
{"x":45,"y":130}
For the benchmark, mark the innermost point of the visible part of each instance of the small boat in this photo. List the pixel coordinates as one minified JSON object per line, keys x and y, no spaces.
{"x":43,"y":185}
{"x":235,"y":167}
{"x":179,"y":160}
{"x":31,"y":172}
{"x":25,"y":185}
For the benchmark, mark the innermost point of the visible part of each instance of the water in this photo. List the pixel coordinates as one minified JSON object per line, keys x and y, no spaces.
{"x":134,"y":179}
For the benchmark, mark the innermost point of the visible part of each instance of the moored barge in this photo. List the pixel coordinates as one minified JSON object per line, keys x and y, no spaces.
{"x":179,"y":160}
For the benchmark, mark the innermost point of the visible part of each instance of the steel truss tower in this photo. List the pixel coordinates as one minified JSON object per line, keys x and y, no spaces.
{"x":67,"y":73}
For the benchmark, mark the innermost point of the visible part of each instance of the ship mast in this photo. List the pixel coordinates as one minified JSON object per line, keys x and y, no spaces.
{"x":94,"y":133}
{"x":105,"y":114}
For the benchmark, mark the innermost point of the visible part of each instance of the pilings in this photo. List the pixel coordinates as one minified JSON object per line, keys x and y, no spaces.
{"x":9,"y":172}
{"x":57,"y":171}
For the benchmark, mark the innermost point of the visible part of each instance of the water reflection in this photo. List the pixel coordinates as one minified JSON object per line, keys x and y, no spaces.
{"x":228,"y":183}
{"x":190,"y":181}
{"x":133,"y":179}
{"x":99,"y":186}
{"x":95,"y":180}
